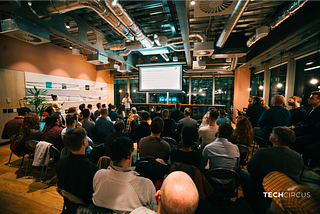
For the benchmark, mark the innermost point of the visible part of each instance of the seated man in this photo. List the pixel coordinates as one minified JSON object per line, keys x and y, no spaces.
{"x":97,"y":112}
{"x":178,"y":185}
{"x":297,"y":112}
{"x":119,"y":188}
{"x":308,"y":130}
{"x":222,"y":117}
{"x":13,"y":126}
{"x":277,"y":115}
{"x":255,"y":111}
{"x":52,"y":133}
{"x":103,"y":126}
{"x":185,"y":154}
{"x":177,"y":114}
{"x":143,"y":129}
{"x":119,"y":128}
{"x":169,"y":126}
{"x":186,"y":121}
{"x":221,"y":153}
{"x":87,"y":124}
{"x":75,"y":172}
{"x":157,"y":113}
{"x":92,"y":117}
{"x":277,"y":158}
{"x":207,"y":134}
{"x":113,"y":114}
{"x":153,"y":146}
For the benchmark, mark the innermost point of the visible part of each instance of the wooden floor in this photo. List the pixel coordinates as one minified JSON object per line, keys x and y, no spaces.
{"x":21,"y":195}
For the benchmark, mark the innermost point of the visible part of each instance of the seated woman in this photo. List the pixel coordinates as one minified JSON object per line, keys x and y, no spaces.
{"x":185,"y":154}
{"x":30,"y":130}
{"x":132,"y":120}
{"x":243,"y":134}
{"x":121,"y":111}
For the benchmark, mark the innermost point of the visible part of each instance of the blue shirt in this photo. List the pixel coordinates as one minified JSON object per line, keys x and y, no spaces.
{"x":275,"y":116}
{"x":223,"y":120}
{"x":113,"y":115}
{"x":104,"y":125}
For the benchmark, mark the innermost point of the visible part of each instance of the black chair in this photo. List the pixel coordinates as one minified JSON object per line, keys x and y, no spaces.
{"x":150,"y":168}
{"x":72,"y":198}
{"x":31,"y":146}
{"x":244,"y":154}
{"x":229,"y":190}
{"x":172,"y":142}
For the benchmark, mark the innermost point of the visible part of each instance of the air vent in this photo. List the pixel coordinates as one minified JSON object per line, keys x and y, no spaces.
{"x":97,"y":59}
{"x":203,"y":49}
{"x":213,"y":8}
{"x":24,"y":30}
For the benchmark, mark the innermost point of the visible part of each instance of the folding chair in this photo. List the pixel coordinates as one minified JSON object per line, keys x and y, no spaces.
{"x":72,"y":198}
{"x":244,"y":153}
{"x":31,"y":145}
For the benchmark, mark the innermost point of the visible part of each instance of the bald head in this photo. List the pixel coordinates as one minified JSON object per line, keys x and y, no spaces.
{"x":178,"y":194}
{"x":278,"y":100}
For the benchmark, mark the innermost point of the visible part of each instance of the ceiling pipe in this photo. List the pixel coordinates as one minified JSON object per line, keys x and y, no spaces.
{"x":165,"y":57}
{"x":48,"y":8}
{"x":125,"y":53}
{"x":231,"y":22}
{"x":125,"y":19}
{"x":201,"y":37}
{"x":182,"y":11}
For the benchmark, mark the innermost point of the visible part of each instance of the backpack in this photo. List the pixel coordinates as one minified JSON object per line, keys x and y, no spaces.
{"x":16,"y":146}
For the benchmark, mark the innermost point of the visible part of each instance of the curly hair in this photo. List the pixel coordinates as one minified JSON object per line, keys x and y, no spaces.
{"x":244,"y":131}
{"x":29,"y":122}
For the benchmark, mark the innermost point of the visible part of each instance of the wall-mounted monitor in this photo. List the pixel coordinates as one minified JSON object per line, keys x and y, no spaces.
{"x":163,"y":78}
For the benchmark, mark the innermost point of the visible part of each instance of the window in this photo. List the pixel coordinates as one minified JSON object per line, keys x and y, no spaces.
{"x":256,"y":86}
{"x":201,"y":90}
{"x":278,"y":81}
{"x":182,"y":97}
{"x":135,"y":95}
{"x":224,"y":91}
{"x":120,"y":90}
{"x":157,"y":97}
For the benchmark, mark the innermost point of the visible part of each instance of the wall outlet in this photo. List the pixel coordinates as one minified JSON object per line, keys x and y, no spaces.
{"x":8,"y":100}
{"x":14,"y":110}
{"x":5,"y":111}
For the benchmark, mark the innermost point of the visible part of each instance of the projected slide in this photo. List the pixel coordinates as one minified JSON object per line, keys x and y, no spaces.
{"x":160,"y":78}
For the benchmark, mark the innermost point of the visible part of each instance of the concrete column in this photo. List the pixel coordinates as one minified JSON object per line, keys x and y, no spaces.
{"x":266,"y":83}
{"x":241,"y":93}
{"x":213,"y":88}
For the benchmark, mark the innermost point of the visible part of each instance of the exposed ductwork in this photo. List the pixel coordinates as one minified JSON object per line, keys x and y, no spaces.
{"x":289,"y":12}
{"x":48,"y":8}
{"x":119,"y":12}
{"x":165,"y":57}
{"x":260,"y":33}
{"x":231,"y":22}
{"x":201,"y":37}
{"x":182,"y":11}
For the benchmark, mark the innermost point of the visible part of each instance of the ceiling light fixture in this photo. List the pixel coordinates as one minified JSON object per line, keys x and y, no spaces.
{"x":261,"y":87}
{"x":153,"y":51}
{"x":134,"y":90}
{"x":308,"y":69}
{"x":192,"y":2}
{"x":249,"y":89}
{"x":68,"y":25}
{"x":120,"y":90}
{"x":70,"y":47}
{"x":314,"y":81}
{"x":309,"y":63}
{"x":279,"y":85}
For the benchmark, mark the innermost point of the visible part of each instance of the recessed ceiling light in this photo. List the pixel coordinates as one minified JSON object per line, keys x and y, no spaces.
{"x":314,"y":81}
{"x":309,"y":63}
{"x":192,"y":2}
{"x":279,"y":85}
{"x":249,"y":89}
{"x":261,"y":87}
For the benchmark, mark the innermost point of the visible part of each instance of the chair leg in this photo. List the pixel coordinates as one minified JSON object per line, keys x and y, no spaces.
{"x":9,"y":162}
{"x":41,"y":179}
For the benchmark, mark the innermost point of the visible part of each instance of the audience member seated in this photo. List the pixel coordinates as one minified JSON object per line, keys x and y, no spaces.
{"x":132,"y":120}
{"x":308,"y":130}
{"x":177,"y":115}
{"x":118,"y":187}
{"x":243,"y":134}
{"x":157,"y":113}
{"x":186,"y":121}
{"x":72,"y":110}
{"x":119,"y":128}
{"x":153,"y":146}
{"x":143,"y":129}
{"x":49,"y":111}
{"x":169,"y":126}
{"x":30,"y":131}
{"x":177,"y":186}
{"x":97,"y":112}
{"x":255,"y":111}
{"x":75,"y":172}
{"x":277,"y":158}
{"x":92,"y":117}
{"x":205,"y":120}
{"x":81,"y":108}
{"x":13,"y":126}
{"x":221,"y":153}
{"x":207,"y":134}
{"x":72,"y":123}
{"x":87,"y":124}
{"x":113,"y":114}
{"x":277,"y":115}
{"x":103,"y":126}
{"x":222,"y":117}
{"x":185,"y":154}
{"x":121,"y":111}
{"x":302,"y":199}
{"x":297,"y":112}
{"x":52,"y":133}
{"x":263,"y":103}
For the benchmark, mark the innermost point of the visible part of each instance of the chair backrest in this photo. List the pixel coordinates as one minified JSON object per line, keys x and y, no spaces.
{"x":244,"y":153}
{"x":170,"y":140}
{"x":71,"y":197}
{"x":31,"y":145}
{"x":221,"y":173}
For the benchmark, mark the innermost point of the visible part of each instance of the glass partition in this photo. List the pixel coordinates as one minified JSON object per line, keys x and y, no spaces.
{"x":182,"y":97}
{"x":136,"y":96}
{"x":157,"y":97}
{"x":256,"y":85}
{"x":120,"y":90}
{"x":278,"y":81}
{"x":201,"y":90}
{"x":224,"y":91}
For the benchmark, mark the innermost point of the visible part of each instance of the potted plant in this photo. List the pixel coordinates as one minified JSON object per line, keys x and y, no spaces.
{"x":35,"y":98}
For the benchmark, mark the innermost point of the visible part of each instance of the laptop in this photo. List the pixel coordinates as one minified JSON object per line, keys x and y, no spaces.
{"x":42,"y":124}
